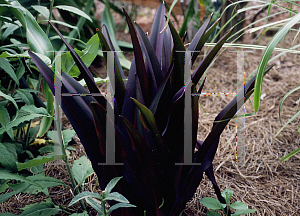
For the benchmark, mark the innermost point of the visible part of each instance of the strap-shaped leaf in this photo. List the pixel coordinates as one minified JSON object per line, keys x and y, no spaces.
{"x":152,"y":125}
{"x":166,"y":51}
{"x":150,"y":56}
{"x":119,"y":83}
{"x":87,"y":75}
{"x":128,"y":105}
{"x":139,"y":61}
{"x":188,"y":16}
{"x":156,"y":37}
{"x":209,"y":146}
{"x":199,"y":40}
{"x":177,"y":76}
{"x":208,"y":58}
{"x":79,"y":114}
{"x":157,"y":97}
{"x":210,"y":174}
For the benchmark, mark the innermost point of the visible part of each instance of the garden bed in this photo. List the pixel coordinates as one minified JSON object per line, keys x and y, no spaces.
{"x":264,"y":182}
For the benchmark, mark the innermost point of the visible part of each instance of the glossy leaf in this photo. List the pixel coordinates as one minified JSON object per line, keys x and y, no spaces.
{"x":266,"y":56}
{"x":177,"y":76}
{"x":139,"y":61}
{"x":208,"y":58}
{"x":84,"y":195}
{"x":74,"y":10}
{"x":47,"y":121}
{"x":7,"y":158}
{"x":198,"y":41}
{"x":37,"y":161}
{"x":82,"y":169}
{"x":211,"y":203}
{"x":119,"y":205}
{"x":42,"y":10}
{"x":6,"y":66}
{"x":36,"y":37}
{"x":150,"y":57}
{"x":119,"y":74}
{"x":87,"y":75}
{"x":156,"y":37}
{"x":108,"y":21}
{"x":87,"y":56}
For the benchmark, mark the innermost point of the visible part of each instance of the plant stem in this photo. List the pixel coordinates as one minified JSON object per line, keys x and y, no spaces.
{"x":27,"y":134}
{"x":50,"y":15}
{"x":65,"y":159}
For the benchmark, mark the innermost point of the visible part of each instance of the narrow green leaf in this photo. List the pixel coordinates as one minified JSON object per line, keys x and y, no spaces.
{"x":42,"y":10}
{"x":119,"y":205}
{"x":288,"y":122}
{"x":266,"y":56}
{"x":26,"y":96}
{"x":116,"y":197}
{"x":74,"y":10}
{"x":112,"y":184}
{"x":5,"y":65}
{"x":47,"y":121}
{"x":4,"y":116}
{"x":84,"y":195}
{"x":96,"y":205}
{"x":211,"y":203}
{"x":46,"y":208}
{"x":26,"y":55}
{"x":38,"y":160}
{"x":27,"y":113}
{"x":10,"y":99}
{"x":36,"y":37}
{"x":6,"y":174}
{"x":170,"y":11}
{"x":282,"y":100}
{"x":6,"y":196}
{"x":188,"y":16}
{"x":290,"y":155}
{"x":151,"y":123}
{"x":67,"y":25}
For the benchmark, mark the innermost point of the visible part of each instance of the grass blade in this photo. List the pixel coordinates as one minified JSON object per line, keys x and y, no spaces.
{"x":266,"y":56}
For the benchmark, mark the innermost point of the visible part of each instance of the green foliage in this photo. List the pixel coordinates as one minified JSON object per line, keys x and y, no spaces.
{"x":98,"y":201}
{"x":214,"y":204}
{"x":46,"y":208}
{"x":149,"y":117}
{"x":82,"y":169}
{"x":87,"y":56}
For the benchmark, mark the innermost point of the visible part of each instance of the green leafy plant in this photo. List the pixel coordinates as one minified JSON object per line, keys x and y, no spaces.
{"x":149,"y":118}
{"x":98,"y":201}
{"x":214,"y":204}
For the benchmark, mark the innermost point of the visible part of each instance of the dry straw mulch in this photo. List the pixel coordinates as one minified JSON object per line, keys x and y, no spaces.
{"x":263,"y":183}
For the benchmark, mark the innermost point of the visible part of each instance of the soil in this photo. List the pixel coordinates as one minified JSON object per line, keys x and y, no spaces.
{"x":263,"y":182}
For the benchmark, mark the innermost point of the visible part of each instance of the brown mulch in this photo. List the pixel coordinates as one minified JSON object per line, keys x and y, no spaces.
{"x":263,"y":182}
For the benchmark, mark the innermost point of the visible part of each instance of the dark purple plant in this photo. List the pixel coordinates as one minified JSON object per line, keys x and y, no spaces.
{"x":149,"y":118}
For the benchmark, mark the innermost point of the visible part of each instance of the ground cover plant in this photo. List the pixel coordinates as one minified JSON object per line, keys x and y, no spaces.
{"x":148,"y":118}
